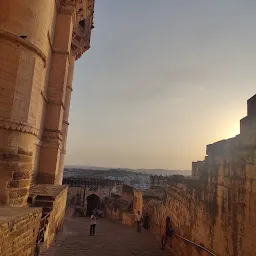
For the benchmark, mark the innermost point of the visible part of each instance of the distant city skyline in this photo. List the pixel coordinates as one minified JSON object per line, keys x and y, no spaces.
{"x":161,"y":81}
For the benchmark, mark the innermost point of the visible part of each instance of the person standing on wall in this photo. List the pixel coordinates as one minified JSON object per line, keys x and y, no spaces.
{"x":138,"y":221}
{"x":167,"y":233}
{"x":92,"y":225}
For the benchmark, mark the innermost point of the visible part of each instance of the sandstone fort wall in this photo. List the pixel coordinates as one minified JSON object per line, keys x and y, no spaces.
{"x":56,"y":218}
{"x":214,"y":208}
{"x":39,"y":43}
{"x":18,"y":231}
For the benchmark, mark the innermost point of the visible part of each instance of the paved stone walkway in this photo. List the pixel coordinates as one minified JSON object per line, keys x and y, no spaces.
{"x":112,"y":239}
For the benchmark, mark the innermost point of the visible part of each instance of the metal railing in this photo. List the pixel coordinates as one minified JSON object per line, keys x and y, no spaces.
{"x":43,"y":224}
{"x":187,"y":240}
{"x":195,"y":244}
{"x":40,"y":235}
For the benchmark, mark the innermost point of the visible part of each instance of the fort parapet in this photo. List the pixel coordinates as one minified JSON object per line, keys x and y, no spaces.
{"x":90,"y":182}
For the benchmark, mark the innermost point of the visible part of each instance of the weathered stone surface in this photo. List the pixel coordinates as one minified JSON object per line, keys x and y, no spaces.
{"x":18,"y":230}
{"x":35,"y":59}
{"x":52,"y":198}
{"x":215,"y":207}
{"x":36,"y":72}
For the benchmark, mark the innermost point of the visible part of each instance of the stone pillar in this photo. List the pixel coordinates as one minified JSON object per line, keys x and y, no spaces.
{"x":65,"y":123}
{"x":23,"y":54}
{"x":52,"y":138}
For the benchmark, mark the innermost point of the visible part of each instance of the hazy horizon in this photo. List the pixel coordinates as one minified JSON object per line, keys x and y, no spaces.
{"x":161,"y":80}
{"x":109,"y":167}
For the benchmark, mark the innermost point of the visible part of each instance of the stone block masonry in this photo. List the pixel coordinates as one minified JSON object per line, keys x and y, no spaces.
{"x":18,"y":230}
{"x":15,"y":177}
{"x":52,"y":199}
{"x":40,"y":40}
{"x":39,"y":44}
{"x":215,"y":207}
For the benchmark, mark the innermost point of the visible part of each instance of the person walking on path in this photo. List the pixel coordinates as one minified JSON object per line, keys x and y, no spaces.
{"x":146,"y":221}
{"x":92,"y":225}
{"x":138,"y":221}
{"x":167,"y":233}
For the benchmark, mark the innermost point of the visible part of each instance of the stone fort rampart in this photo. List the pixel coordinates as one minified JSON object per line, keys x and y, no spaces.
{"x":215,"y":207}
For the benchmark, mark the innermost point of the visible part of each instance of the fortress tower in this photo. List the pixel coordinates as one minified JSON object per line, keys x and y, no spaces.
{"x":40,"y":40}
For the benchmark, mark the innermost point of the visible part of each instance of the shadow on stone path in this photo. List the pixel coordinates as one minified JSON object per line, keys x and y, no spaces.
{"x":111,"y":240}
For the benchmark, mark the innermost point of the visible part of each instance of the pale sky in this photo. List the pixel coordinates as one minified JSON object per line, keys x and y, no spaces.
{"x":162,"y":79}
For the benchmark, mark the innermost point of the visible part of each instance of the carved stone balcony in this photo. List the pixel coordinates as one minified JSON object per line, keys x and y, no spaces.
{"x":81,"y":37}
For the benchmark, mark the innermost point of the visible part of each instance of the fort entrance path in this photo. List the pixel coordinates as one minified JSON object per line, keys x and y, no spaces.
{"x":112,"y":239}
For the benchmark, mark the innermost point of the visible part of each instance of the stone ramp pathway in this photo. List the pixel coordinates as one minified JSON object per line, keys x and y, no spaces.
{"x":111,"y":239}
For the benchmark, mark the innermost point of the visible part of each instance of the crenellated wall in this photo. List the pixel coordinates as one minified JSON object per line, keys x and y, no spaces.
{"x":216,"y":206}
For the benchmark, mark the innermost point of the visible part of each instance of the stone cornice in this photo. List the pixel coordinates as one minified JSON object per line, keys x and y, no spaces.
{"x":18,"y":126}
{"x":69,"y":8}
{"x":51,"y":136}
{"x":59,"y":103}
{"x":58,"y":51}
{"x":25,"y":43}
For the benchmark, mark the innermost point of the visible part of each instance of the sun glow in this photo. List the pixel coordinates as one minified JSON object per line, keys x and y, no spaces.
{"x":231,"y":130}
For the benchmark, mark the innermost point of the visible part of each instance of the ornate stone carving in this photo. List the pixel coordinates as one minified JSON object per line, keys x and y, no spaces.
{"x":82,"y":30}
{"x":82,"y":11}
{"x":15,"y":126}
{"x":81,"y":37}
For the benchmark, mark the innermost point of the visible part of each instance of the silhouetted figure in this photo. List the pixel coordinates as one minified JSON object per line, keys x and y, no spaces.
{"x":92,"y":225}
{"x":146,"y":221}
{"x":138,"y":221}
{"x":167,"y":233}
